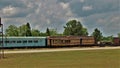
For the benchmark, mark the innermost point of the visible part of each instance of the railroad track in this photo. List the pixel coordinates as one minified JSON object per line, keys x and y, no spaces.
{"x":58,"y":49}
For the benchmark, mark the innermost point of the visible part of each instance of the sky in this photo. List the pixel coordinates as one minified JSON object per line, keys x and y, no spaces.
{"x":54,"y":14}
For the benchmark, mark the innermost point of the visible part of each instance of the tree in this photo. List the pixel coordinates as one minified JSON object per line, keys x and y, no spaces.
{"x":74,"y":27}
{"x":25,"y":30}
{"x":53,"y":32}
{"x":97,"y":35}
{"x":47,"y":32}
{"x":119,"y":35}
{"x":35,"y":32}
{"x":108,"y":38}
{"x":84,"y":32}
{"x":42,"y":34}
{"x":22,"y":30}
{"x":12,"y":30}
{"x":28,"y":30}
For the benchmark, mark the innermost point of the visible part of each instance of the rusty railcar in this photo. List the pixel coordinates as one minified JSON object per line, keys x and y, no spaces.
{"x":70,"y":40}
{"x":116,"y":41}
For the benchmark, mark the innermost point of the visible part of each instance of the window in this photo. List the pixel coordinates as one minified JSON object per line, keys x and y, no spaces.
{"x":56,"y":41}
{"x":62,"y":41}
{"x":65,"y":41}
{"x":13,"y":41}
{"x":1,"y":41}
{"x":18,"y":41}
{"x":6,"y":41}
{"x":25,"y":41}
{"x":35,"y":41}
{"x":30,"y":41}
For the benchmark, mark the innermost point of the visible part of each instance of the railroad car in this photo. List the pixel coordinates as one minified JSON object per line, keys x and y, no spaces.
{"x":51,"y":41}
{"x":70,"y":40}
{"x":116,"y":41}
{"x":24,"y":42}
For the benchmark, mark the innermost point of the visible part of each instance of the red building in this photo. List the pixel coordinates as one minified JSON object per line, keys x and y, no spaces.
{"x":116,"y":41}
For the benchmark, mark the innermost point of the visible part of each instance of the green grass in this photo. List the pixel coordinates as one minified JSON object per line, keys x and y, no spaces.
{"x":70,"y":59}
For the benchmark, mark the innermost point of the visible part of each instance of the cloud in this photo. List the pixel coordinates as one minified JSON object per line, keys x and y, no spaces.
{"x":82,"y":1}
{"x":12,"y":12}
{"x":55,"y":13}
{"x":17,"y":3}
{"x":108,"y":23}
{"x":87,"y":8}
{"x":64,"y":5}
{"x":64,"y":1}
{"x":16,"y":8}
{"x":9,"y":10}
{"x":97,"y":6}
{"x":50,"y":14}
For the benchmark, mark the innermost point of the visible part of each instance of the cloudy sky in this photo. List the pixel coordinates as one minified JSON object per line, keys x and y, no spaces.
{"x":101,"y":14}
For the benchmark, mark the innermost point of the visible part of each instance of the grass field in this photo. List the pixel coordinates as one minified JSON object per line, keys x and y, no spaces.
{"x":70,"y":59}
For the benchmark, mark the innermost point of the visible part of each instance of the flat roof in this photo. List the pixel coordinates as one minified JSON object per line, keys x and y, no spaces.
{"x":23,"y":37}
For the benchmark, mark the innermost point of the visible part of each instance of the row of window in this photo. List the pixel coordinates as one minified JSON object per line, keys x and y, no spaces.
{"x":61,"y":41}
{"x":19,"y":41}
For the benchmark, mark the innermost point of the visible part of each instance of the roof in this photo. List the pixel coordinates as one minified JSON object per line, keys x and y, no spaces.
{"x":70,"y":37}
{"x":116,"y":38}
{"x":23,"y":37}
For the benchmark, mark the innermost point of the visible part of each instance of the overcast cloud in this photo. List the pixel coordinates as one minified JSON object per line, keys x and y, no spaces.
{"x":101,"y":14}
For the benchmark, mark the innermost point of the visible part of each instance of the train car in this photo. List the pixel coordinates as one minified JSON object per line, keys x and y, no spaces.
{"x":116,"y":41}
{"x":70,"y":40}
{"x":10,"y":42}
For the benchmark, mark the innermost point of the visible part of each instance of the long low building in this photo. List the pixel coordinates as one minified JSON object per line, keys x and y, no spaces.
{"x":116,"y":41}
{"x":70,"y":40}
{"x":23,"y":42}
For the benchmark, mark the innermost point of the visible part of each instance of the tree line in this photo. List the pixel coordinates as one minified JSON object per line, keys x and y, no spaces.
{"x":72,"y":27}
{"x":25,"y":30}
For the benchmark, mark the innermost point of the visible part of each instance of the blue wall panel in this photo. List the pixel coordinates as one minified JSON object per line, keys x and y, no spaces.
{"x":24,"y":41}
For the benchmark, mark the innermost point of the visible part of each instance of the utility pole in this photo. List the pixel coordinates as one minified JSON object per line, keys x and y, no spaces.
{"x":1,"y":40}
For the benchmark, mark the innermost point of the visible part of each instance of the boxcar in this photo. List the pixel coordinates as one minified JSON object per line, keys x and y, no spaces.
{"x":24,"y":42}
{"x":116,"y":41}
{"x":70,"y":40}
